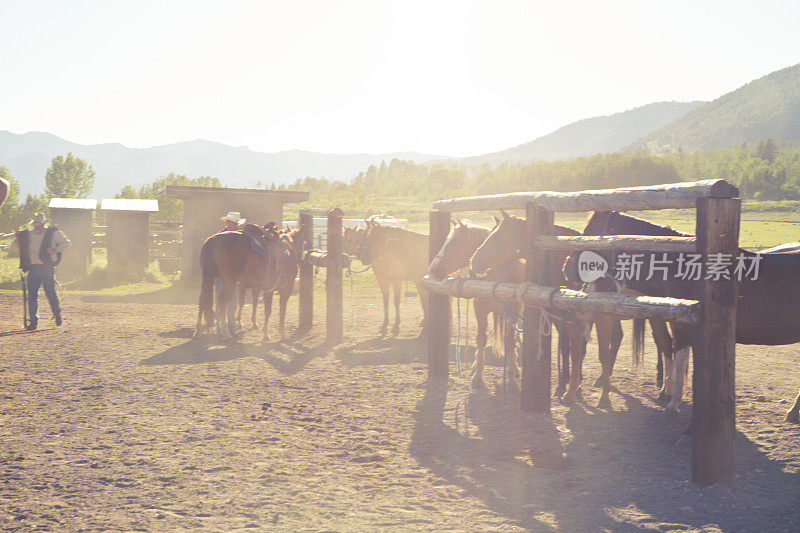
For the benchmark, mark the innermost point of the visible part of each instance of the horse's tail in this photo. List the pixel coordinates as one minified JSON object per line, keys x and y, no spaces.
{"x":638,"y":341}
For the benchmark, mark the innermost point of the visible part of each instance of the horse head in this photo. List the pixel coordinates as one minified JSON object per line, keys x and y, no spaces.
{"x":351,"y":239}
{"x":502,"y":246}
{"x":461,"y":243}
{"x":368,"y":238}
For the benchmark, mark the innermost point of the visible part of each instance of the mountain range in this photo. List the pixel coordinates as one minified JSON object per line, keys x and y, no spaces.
{"x":764,"y":108}
{"x":27,"y":156}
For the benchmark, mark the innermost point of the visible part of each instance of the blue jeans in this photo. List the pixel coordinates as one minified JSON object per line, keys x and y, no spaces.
{"x":38,"y":276}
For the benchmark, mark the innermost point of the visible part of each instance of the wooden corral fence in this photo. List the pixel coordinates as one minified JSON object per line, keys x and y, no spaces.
{"x":165,"y":242}
{"x":717,"y":230}
{"x":333,"y":261}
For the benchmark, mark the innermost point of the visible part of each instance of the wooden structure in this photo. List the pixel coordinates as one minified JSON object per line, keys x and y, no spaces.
{"x":203,"y":207}
{"x":713,"y":418}
{"x":334,"y":261}
{"x":128,"y":233}
{"x":74,"y":217}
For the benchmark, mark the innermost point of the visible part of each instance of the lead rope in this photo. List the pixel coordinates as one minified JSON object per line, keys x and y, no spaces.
{"x":459,"y":284}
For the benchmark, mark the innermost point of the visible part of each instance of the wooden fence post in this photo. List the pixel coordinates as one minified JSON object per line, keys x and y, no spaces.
{"x":439,"y":312}
{"x":713,"y":389}
{"x":535,"y":393}
{"x":306,"y":289}
{"x":333,"y":280}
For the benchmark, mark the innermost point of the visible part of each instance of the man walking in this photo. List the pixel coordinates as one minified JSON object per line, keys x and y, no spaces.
{"x":39,"y":253}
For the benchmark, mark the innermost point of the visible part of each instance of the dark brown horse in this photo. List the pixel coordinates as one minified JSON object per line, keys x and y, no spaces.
{"x":461,"y":243}
{"x":351,"y":239}
{"x":395,"y":254}
{"x":251,"y":257}
{"x":767,"y":313}
{"x":284,"y":278}
{"x":503,"y":247}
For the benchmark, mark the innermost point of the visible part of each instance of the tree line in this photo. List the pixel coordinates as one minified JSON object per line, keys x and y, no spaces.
{"x":762,"y":171}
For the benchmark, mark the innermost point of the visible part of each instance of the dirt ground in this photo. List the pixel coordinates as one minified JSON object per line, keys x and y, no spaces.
{"x":119,"y":420}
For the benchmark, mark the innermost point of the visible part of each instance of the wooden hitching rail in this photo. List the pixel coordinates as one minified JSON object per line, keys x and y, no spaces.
{"x":334,"y":321}
{"x":717,"y":229}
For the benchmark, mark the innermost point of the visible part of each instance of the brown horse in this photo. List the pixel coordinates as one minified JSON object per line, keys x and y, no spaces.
{"x":767,"y":312}
{"x":351,"y":239}
{"x":286,"y":272}
{"x":395,"y":255}
{"x":461,"y":243}
{"x":252,"y":257}
{"x":503,"y":247}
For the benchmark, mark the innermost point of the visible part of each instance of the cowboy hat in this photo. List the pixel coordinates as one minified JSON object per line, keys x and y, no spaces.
{"x":233,"y":216}
{"x":38,"y":219}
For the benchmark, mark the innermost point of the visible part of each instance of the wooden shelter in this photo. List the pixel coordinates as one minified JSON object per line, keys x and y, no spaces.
{"x":203,"y":207}
{"x":74,"y":217}
{"x":128,"y":232}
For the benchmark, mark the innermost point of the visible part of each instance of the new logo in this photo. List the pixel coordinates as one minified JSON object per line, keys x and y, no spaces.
{"x":591,"y":266}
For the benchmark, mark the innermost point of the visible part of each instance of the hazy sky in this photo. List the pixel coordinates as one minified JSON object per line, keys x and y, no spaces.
{"x":444,"y":77}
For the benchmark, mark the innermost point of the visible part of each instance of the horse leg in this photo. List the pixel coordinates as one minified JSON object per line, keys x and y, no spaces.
{"x":267,"y":312}
{"x":205,"y":306}
{"x":234,"y":319}
{"x":253,"y":318}
{"x":679,"y":367}
{"x":398,"y":293}
{"x":615,"y":341}
{"x":226,"y":294}
{"x":482,"y":318}
{"x":423,"y":298}
{"x":240,"y":307}
{"x":793,"y":415}
{"x":605,"y":327}
{"x":576,"y":342}
{"x":284,"y":299}
{"x":384,"y":286}
{"x":663,"y":341}
{"x":563,"y":355}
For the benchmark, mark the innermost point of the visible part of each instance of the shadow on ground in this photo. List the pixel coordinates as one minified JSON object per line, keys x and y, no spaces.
{"x":620,"y":470}
{"x":287,"y":357}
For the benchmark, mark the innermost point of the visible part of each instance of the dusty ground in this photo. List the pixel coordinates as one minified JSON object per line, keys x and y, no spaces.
{"x":118,"y":420}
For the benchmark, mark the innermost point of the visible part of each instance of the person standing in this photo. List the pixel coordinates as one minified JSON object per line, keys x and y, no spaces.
{"x":39,"y":252}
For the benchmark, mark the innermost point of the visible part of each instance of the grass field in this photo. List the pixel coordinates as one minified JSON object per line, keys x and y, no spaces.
{"x":764,"y":224}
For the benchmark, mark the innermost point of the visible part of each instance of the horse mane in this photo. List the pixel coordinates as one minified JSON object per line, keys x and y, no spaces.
{"x":632,"y":225}
{"x":397,"y":231}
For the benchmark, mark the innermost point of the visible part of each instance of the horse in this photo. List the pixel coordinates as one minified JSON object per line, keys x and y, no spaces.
{"x":395,"y":254}
{"x":252,"y":256}
{"x":286,"y":273}
{"x":767,"y":312}
{"x":351,"y":239}
{"x":503,"y":247}
{"x":462,"y":241}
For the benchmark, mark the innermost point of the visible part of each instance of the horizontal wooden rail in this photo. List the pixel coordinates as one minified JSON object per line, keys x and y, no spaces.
{"x":634,"y":243}
{"x":669,"y":196}
{"x":625,"y":306}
